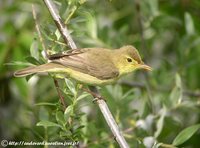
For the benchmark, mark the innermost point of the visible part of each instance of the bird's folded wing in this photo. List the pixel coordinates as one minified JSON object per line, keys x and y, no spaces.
{"x":88,"y":63}
{"x":65,"y":53}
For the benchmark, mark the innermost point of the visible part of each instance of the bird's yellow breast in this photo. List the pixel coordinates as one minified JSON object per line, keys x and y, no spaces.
{"x":82,"y":77}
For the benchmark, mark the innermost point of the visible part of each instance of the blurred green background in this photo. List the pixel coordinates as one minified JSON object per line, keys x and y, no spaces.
{"x":151,"y":108}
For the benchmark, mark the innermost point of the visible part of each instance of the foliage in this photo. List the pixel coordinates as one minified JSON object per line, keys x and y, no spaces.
{"x":154,"y":109}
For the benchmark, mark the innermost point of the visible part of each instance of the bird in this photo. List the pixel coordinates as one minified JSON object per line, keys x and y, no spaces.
{"x":93,"y":66}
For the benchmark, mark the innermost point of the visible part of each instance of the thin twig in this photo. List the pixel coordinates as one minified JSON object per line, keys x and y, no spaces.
{"x":62,"y":99}
{"x":46,"y":54}
{"x":101,"y":103}
{"x":39,"y":32}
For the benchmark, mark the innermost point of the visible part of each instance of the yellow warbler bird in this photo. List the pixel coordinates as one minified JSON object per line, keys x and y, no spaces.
{"x":94,"y":66}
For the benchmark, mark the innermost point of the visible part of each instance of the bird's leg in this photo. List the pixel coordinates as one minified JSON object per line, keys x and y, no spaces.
{"x":94,"y":94}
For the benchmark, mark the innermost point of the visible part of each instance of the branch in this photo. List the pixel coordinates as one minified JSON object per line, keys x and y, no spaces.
{"x":101,"y":103}
{"x":59,"y":23}
{"x":46,"y":54}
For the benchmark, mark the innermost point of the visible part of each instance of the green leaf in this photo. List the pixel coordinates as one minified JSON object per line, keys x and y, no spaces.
{"x":60,"y":117}
{"x":153,"y":4}
{"x":65,"y":134}
{"x":82,"y":96}
{"x":68,"y":112}
{"x":45,"y":123}
{"x":189,"y":25}
{"x":91,"y":24}
{"x":34,"y":49}
{"x":32,"y":60}
{"x":160,"y":122}
{"x":45,"y":104}
{"x":185,"y":134}
{"x":71,"y":86}
{"x":58,"y":35}
{"x":18,"y":63}
{"x":128,"y":93}
{"x":176,"y":94}
{"x":178,"y":80}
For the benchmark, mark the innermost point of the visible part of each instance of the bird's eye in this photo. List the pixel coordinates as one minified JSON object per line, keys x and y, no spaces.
{"x":129,"y":60}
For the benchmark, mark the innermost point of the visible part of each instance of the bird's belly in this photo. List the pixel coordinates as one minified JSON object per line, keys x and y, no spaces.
{"x":84,"y":78}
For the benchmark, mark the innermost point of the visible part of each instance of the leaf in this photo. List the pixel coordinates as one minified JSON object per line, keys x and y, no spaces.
{"x":160,"y":123}
{"x":178,"y":80}
{"x":68,"y":112}
{"x":58,"y":35}
{"x":153,"y":4}
{"x":60,"y":117}
{"x":18,"y":63}
{"x":82,"y":96}
{"x":65,"y":133}
{"x":128,"y":93}
{"x":34,"y":49}
{"x":189,"y":25}
{"x":185,"y":134}
{"x":91,"y":24}
{"x":71,"y":86}
{"x":45,"y":103}
{"x":32,"y":60}
{"x":176,"y":94}
{"x":45,"y":123}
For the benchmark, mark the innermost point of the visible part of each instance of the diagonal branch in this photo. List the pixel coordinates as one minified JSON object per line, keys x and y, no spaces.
{"x":59,"y":23}
{"x":101,"y":103}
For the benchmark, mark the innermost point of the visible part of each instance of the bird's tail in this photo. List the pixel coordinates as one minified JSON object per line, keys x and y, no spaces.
{"x":48,"y":67}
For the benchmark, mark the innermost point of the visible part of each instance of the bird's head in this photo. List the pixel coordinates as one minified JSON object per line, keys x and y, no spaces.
{"x":130,"y":60}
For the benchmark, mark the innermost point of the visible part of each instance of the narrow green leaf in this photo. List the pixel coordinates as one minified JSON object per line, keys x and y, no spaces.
{"x":185,"y":134}
{"x":68,"y":112}
{"x":82,"y":96}
{"x":18,"y":63}
{"x":91,"y":24}
{"x":34,"y":49}
{"x":45,"y":123}
{"x":71,"y":86}
{"x":160,"y":122}
{"x":58,"y":35}
{"x":176,"y":94}
{"x":154,"y":7}
{"x":66,"y":133}
{"x":32,"y":60}
{"x":178,"y":80}
{"x":189,"y":25}
{"x":128,"y":93}
{"x":45,"y":104}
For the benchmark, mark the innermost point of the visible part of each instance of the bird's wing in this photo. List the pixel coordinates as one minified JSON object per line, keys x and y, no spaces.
{"x":87,"y":61}
{"x":66,"y":53}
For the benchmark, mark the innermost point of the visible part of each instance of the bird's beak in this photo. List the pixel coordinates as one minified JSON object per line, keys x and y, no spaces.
{"x":144,"y":66}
